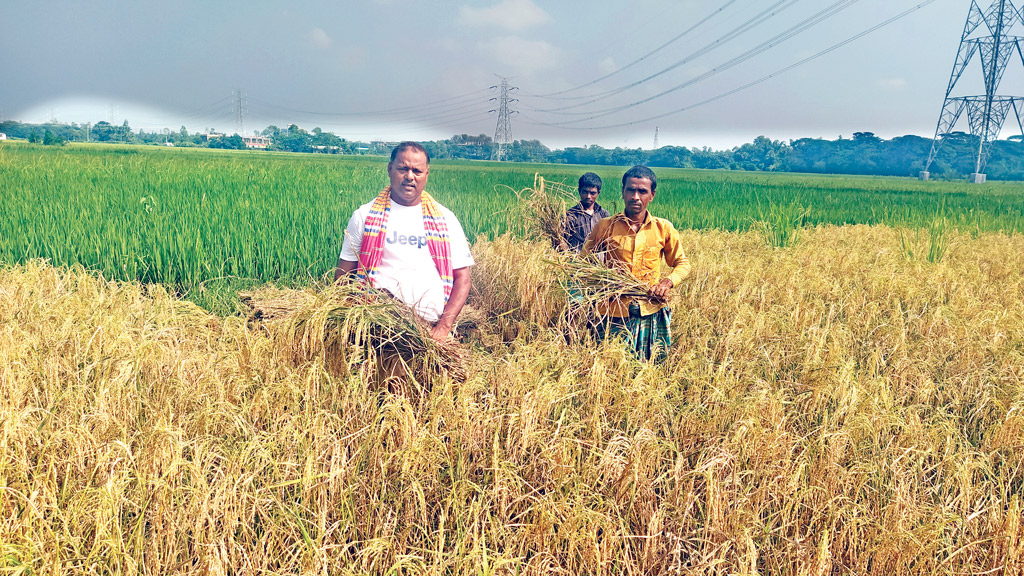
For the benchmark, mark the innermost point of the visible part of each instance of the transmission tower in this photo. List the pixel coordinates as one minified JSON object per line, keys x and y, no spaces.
{"x":989,"y":34}
{"x":503,"y":131}
{"x":655,"y":138}
{"x":239,"y":105}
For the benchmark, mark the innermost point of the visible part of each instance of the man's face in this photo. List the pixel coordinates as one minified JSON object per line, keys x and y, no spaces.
{"x":408,"y":174}
{"x":588,"y":196}
{"x":637,"y":194}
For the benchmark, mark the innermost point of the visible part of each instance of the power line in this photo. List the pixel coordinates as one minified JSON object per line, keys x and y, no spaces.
{"x":759,"y":80}
{"x":746,"y":26}
{"x":645,"y":56}
{"x":772,"y":42}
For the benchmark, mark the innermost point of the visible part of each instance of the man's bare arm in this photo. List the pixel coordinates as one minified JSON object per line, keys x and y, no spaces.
{"x":460,"y":292}
{"x":345,"y":268}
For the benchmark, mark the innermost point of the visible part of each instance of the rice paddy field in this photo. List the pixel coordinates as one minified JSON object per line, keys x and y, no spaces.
{"x":183,"y":217}
{"x":845,"y":394}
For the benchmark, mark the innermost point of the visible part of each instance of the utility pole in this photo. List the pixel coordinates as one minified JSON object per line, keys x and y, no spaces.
{"x":989,"y":34}
{"x":239,"y":99}
{"x":503,"y":131}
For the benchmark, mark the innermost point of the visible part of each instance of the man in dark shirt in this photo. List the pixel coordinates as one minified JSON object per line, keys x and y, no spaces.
{"x":580,"y":219}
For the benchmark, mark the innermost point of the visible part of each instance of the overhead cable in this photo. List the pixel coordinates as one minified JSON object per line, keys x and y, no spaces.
{"x":645,"y":56}
{"x":753,"y":22}
{"x":763,"y":78}
{"x":759,"y":49}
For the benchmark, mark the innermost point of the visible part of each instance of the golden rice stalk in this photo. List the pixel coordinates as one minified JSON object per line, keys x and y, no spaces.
{"x":587,"y":281}
{"x":542,"y":209}
{"x":352,"y":324}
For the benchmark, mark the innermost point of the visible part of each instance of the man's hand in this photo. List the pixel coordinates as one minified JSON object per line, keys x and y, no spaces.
{"x":441,"y":333}
{"x":661,"y":290}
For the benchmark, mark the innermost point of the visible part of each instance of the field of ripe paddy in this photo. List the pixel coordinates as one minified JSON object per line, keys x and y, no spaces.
{"x":845,"y":394}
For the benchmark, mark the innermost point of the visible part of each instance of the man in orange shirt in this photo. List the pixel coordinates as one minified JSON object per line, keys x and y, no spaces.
{"x":635,"y":241}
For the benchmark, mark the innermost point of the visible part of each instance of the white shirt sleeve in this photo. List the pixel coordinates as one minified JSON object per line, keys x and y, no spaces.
{"x":353,"y":240}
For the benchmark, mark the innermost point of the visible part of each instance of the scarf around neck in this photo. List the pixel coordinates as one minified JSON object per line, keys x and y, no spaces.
{"x":371,"y":250}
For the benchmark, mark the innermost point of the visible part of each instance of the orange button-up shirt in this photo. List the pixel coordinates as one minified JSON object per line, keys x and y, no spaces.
{"x":640,"y":254}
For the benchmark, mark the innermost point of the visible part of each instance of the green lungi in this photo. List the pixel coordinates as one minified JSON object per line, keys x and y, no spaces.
{"x":649,"y":336}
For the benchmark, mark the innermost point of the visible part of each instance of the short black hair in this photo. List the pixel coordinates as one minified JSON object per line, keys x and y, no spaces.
{"x":640,"y":171}
{"x":409,"y":145}
{"x":590,"y":179}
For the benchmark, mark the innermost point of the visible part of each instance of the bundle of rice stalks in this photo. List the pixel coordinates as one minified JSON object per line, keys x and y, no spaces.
{"x":351,"y":325}
{"x":588,"y":282}
{"x":543,"y":209}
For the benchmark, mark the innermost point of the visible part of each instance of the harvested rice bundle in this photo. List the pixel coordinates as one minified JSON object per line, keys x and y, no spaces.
{"x":543,"y":209}
{"x":353,"y":325}
{"x":588,"y":282}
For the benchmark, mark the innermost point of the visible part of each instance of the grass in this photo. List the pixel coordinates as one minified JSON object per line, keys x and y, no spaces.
{"x":828,"y":408}
{"x":205,"y":222}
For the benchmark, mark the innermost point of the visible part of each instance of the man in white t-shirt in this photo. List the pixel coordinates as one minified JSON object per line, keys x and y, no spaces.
{"x":408,"y":244}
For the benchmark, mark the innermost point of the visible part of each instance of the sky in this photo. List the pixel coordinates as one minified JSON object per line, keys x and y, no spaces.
{"x":612,"y":73}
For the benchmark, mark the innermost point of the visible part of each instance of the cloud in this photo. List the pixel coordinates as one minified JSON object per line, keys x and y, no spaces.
{"x":522,"y":56}
{"x":320,"y":39}
{"x":514,"y":15}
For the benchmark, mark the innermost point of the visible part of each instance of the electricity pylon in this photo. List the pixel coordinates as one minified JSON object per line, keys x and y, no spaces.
{"x":990,"y":35}
{"x":239,"y":106}
{"x":503,"y":131}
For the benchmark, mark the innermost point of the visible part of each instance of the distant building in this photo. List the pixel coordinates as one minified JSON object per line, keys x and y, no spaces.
{"x":3,"y":136}
{"x":258,"y":142}
{"x":382,"y":145}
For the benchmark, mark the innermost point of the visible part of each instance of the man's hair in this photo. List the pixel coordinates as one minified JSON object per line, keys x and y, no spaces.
{"x":590,"y":179}
{"x":639,"y":171}
{"x":409,"y":145}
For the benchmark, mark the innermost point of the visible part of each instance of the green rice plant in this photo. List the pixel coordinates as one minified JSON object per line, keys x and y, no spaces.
{"x":185,"y":216}
{"x":938,"y":239}
{"x":780,"y":225}
{"x":908,"y":246}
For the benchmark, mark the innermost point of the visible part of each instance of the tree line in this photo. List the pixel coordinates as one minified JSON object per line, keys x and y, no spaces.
{"x":863,"y":153}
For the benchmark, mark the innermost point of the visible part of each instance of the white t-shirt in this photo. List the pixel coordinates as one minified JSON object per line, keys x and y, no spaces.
{"x":406,"y":268}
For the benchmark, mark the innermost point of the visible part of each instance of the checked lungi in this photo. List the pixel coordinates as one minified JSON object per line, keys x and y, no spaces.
{"x":648,"y":336}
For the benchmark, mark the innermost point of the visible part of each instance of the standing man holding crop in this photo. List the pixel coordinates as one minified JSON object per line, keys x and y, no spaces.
{"x":580,"y":219}
{"x":635,"y":242}
{"x":405,"y":242}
